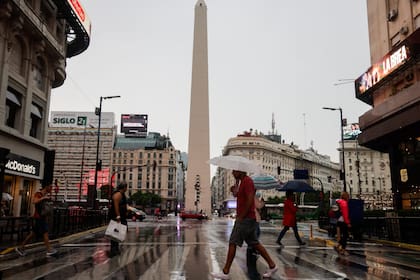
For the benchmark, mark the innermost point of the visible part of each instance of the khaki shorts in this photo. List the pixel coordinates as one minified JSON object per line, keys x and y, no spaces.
{"x":245,"y":230}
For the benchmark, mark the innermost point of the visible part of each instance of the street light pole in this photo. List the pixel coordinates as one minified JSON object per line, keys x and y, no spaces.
{"x":342,"y":145}
{"x":98,"y":112}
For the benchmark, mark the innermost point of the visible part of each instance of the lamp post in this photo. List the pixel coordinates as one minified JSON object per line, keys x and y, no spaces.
{"x":343,"y":168}
{"x":98,"y":112}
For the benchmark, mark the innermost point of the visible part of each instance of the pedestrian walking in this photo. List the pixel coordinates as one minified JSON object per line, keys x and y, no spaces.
{"x":118,"y":212}
{"x":343,"y":224}
{"x":333,"y":215}
{"x":40,"y":225}
{"x":289,"y":219}
{"x":251,"y":252}
{"x":245,"y":226}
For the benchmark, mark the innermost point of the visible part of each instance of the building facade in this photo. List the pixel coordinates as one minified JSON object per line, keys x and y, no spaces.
{"x":278,"y":159}
{"x":73,"y":136}
{"x":368,"y":175}
{"x":391,"y":86}
{"x":34,"y":46}
{"x":148,"y":165}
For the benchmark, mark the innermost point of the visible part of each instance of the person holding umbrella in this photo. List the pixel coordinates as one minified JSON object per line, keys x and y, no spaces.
{"x":245,"y":226}
{"x":289,"y":219}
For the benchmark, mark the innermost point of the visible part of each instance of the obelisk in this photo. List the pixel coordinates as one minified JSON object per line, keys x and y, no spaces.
{"x":197,"y":192}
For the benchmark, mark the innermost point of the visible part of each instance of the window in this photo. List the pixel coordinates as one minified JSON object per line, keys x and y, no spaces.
{"x":36,"y":121}
{"x":39,"y":74}
{"x":13,"y":107}
{"x":16,"y":57}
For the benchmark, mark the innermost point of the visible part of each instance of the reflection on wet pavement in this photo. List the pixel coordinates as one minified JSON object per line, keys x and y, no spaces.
{"x":175,"y":249}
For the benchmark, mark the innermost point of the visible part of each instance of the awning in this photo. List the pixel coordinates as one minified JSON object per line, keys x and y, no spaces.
{"x":13,"y":98}
{"x":36,"y":111}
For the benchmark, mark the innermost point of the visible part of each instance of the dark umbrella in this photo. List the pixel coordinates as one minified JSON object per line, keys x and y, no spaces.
{"x":296,"y":186}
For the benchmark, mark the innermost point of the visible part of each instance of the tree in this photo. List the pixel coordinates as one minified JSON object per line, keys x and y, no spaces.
{"x":146,"y":199}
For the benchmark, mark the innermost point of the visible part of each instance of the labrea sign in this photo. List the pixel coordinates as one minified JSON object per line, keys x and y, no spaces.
{"x":380,"y":70}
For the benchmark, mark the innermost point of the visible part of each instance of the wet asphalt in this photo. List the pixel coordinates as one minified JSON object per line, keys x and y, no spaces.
{"x":175,"y":249}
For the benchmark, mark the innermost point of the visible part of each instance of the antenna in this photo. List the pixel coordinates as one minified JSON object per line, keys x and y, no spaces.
{"x":304,"y":129}
{"x":273,"y":123}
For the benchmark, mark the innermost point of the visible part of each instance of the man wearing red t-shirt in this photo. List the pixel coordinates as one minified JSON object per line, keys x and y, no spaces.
{"x":245,"y":225}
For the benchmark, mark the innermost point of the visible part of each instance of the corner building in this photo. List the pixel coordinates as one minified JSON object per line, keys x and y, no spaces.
{"x":36,"y":38}
{"x":148,"y":165}
{"x":391,"y":85}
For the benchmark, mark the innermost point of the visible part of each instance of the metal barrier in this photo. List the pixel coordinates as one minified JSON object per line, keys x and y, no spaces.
{"x":66,"y":221}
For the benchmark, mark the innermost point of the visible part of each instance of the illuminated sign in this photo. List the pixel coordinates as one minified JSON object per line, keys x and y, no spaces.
{"x":81,"y":14}
{"x":134,"y":124}
{"x":380,"y":70}
{"x":22,"y":165}
{"x":350,"y":132}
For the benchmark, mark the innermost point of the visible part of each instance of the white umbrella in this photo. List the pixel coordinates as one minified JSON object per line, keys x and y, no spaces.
{"x":6,"y":196}
{"x":236,"y":163}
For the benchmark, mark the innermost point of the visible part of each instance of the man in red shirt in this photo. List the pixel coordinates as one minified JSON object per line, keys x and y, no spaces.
{"x":245,"y":225}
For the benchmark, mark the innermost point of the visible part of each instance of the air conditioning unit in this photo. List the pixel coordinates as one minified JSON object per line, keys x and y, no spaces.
{"x":392,"y":15}
{"x":404,"y":30}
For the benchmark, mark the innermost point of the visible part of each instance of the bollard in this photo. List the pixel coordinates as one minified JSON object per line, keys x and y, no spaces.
{"x":311,"y":233}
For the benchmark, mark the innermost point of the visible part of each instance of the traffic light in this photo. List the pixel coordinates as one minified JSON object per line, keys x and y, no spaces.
{"x":329,"y":178}
{"x":278,"y":170}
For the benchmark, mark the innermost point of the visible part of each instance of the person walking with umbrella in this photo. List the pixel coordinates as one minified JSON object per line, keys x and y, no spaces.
{"x":245,"y":226}
{"x":289,"y":219}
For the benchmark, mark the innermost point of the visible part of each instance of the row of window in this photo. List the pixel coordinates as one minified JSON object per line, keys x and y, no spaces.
{"x":14,"y":113}
{"x":149,"y":155}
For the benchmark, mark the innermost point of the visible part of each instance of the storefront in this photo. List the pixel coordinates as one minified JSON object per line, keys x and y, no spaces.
{"x":392,"y":87}
{"x":21,"y":179}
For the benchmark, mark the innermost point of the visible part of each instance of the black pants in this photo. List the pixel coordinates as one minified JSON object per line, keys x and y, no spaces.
{"x":344,"y":234}
{"x":295,"y":231}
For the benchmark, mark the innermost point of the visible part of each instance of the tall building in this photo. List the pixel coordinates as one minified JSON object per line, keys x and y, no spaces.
{"x":368,"y":175}
{"x":73,"y":136}
{"x":36,"y":38}
{"x":197,"y":192}
{"x":149,"y":165}
{"x":391,"y":85}
{"x":278,"y":159}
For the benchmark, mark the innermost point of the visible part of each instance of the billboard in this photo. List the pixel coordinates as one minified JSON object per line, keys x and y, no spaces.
{"x":134,"y":124}
{"x":80,"y":119}
{"x":350,"y":132}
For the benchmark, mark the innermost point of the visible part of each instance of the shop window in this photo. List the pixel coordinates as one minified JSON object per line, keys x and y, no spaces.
{"x":36,"y":121}
{"x":13,"y":107}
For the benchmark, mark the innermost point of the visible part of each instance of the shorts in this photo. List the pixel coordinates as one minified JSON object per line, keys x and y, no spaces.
{"x":40,"y":227}
{"x":245,"y":230}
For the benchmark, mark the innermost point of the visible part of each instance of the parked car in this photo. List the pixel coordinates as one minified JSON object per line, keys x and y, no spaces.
{"x":136,"y":213}
{"x":192,"y":215}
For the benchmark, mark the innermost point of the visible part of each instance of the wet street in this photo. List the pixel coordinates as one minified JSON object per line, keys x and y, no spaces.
{"x":175,"y":249}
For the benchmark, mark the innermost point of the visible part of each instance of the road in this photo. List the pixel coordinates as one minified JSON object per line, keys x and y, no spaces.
{"x":175,"y":249}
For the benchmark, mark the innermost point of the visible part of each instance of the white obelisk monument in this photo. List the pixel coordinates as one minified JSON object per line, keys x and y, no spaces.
{"x":197,"y":192}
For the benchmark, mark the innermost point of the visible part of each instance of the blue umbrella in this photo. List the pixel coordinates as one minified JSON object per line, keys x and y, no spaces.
{"x":265,"y":182}
{"x":296,"y":186}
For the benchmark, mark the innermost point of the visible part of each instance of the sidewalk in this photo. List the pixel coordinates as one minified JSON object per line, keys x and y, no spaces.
{"x":7,"y":249}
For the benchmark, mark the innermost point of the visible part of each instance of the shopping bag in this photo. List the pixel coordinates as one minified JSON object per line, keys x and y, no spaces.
{"x":116,"y":231}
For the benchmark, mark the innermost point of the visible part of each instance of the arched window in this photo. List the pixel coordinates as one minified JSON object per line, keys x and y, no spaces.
{"x":16,"y":57}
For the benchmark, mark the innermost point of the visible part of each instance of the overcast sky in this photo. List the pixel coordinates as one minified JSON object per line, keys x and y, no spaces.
{"x":265,"y":56}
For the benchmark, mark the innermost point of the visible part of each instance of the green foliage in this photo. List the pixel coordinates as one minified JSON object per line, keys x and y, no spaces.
{"x":275,"y":200}
{"x":146,"y":199}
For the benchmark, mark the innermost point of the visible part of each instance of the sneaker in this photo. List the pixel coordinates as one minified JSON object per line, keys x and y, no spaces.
{"x":302,"y":243}
{"x":20,"y":251}
{"x":52,"y":252}
{"x":270,"y":272}
{"x":219,"y":275}
{"x":279,"y":242}
{"x":344,"y":252}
